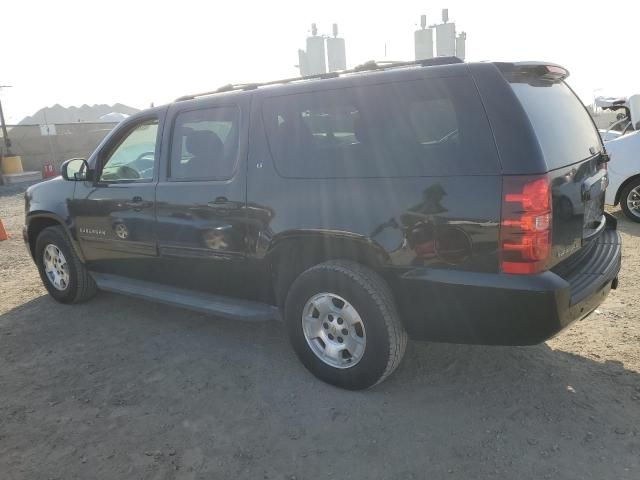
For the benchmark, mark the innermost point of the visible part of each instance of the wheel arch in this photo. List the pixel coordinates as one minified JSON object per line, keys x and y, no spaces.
{"x":38,"y":221}
{"x":623,"y":185}
{"x":292,"y":253}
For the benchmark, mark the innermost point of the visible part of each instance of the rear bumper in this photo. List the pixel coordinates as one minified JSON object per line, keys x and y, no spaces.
{"x":501,"y":309}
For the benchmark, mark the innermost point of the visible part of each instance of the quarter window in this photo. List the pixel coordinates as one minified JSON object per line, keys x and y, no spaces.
{"x":430,"y":127}
{"x":205,"y":144}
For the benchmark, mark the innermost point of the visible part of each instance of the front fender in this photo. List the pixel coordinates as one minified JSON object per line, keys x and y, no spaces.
{"x":47,"y":203}
{"x":36,"y":221}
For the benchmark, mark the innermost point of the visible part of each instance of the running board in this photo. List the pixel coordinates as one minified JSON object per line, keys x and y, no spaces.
{"x":217,"y":305}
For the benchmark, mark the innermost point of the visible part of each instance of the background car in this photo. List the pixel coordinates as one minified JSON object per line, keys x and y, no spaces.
{"x":624,"y":174}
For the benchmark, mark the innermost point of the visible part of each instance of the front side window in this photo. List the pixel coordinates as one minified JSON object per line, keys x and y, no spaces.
{"x":205,"y":144}
{"x":135,"y":156}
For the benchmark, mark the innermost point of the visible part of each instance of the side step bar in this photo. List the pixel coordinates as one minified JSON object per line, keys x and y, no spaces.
{"x":217,"y":305}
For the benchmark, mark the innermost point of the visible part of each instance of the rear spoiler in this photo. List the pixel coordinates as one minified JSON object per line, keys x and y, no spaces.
{"x":527,"y":71}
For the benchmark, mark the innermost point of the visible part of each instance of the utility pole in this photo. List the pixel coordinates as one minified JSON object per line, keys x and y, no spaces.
{"x":5,"y":135}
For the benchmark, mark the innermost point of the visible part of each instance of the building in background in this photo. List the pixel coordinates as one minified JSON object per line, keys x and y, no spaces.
{"x":328,"y":54}
{"x":447,"y":44}
{"x":84,"y":113}
{"x":322,"y":52}
{"x":316,"y":53}
{"x":52,"y":135}
{"x":461,"y":45}
{"x":336,"y":51}
{"x":423,"y":40}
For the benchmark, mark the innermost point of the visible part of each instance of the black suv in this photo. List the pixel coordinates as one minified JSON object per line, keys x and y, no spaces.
{"x":446,"y":201}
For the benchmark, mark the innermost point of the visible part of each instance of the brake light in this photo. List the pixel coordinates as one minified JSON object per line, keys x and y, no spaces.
{"x":557,"y":72}
{"x":525,"y":230}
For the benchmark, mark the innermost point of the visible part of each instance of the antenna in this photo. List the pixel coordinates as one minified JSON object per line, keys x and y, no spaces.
{"x":445,"y":15}
{"x":423,"y":21}
{"x":335,"y":30}
{"x":314,"y":29}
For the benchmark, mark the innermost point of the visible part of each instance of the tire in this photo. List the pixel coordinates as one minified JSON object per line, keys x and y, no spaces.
{"x":375,"y":324}
{"x":624,"y":196}
{"x":79,"y":286}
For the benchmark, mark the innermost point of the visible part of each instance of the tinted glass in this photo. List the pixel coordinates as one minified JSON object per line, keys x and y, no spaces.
{"x":205,"y":144}
{"x":412,"y":128}
{"x":563,"y":126}
{"x":134,"y":158}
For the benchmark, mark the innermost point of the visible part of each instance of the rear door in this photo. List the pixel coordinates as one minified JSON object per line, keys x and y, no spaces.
{"x":201,"y":196}
{"x":572,"y":151}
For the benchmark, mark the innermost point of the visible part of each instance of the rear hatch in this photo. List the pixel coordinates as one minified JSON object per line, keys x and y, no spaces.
{"x":573,"y":153}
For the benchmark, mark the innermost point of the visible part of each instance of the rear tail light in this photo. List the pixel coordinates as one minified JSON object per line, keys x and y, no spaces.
{"x":525,"y":230}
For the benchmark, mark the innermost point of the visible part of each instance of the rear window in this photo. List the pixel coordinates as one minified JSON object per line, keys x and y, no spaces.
{"x":429,"y":127}
{"x":561,"y":123}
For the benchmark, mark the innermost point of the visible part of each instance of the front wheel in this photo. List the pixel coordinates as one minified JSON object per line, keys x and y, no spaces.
{"x":630,"y":200}
{"x":343,"y":324}
{"x":63,"y":274}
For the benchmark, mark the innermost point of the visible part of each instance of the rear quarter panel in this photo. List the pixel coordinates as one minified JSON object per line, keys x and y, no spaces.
{"x":441,"y":222}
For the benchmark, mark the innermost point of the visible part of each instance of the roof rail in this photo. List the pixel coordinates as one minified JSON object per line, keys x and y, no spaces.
{"x":371,"y":65}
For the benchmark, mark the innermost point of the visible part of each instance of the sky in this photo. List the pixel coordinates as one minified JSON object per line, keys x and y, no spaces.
{"x":138,"y":52}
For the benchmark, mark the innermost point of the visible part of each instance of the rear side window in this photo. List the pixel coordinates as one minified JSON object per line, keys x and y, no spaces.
{"x":561,"y":123}
{"x":205,"y":144}
{"x":431,"y":127}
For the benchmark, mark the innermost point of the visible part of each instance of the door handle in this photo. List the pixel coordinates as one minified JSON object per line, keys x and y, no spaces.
{"x":220,"y":202}
{"x":137,"y":203}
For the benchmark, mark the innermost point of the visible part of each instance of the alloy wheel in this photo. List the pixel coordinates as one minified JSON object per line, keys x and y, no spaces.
{"x":55,"y":267}
{"x":633,"y":201}
{"x":334,"y":330}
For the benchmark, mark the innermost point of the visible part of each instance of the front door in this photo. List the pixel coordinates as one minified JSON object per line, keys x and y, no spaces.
{"x":201,"y":198}
{"x":114,"y":214}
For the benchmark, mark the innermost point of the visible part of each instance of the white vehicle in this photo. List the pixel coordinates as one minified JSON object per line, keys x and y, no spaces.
{"x":622,"y":141}
{"x":624,"y":174}
{"x":628,"y":118}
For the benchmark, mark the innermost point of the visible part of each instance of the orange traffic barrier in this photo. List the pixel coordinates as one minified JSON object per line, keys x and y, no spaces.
{"x":3,"y":233}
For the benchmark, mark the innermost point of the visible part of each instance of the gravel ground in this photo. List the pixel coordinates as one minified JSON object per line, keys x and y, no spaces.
{"x":121,"y":388}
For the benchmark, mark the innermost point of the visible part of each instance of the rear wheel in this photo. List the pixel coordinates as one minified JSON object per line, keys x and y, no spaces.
{"x":343,"y":324}
{"x":630,"y":200}
{"x":63,"y":274}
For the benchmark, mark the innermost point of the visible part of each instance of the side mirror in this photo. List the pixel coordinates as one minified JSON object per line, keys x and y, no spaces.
{"x":75,"y":169}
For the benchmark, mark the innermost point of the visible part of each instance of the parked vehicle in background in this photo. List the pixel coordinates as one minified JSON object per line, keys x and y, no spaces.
{"x":611,"y":133}
{"x":623,"y":144}
{"x":624,"y":174}
{"x":627,"y":118}
{"x":438,"y":200}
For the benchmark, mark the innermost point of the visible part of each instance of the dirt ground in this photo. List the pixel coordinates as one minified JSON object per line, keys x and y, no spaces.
{"x":120,"y":388}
